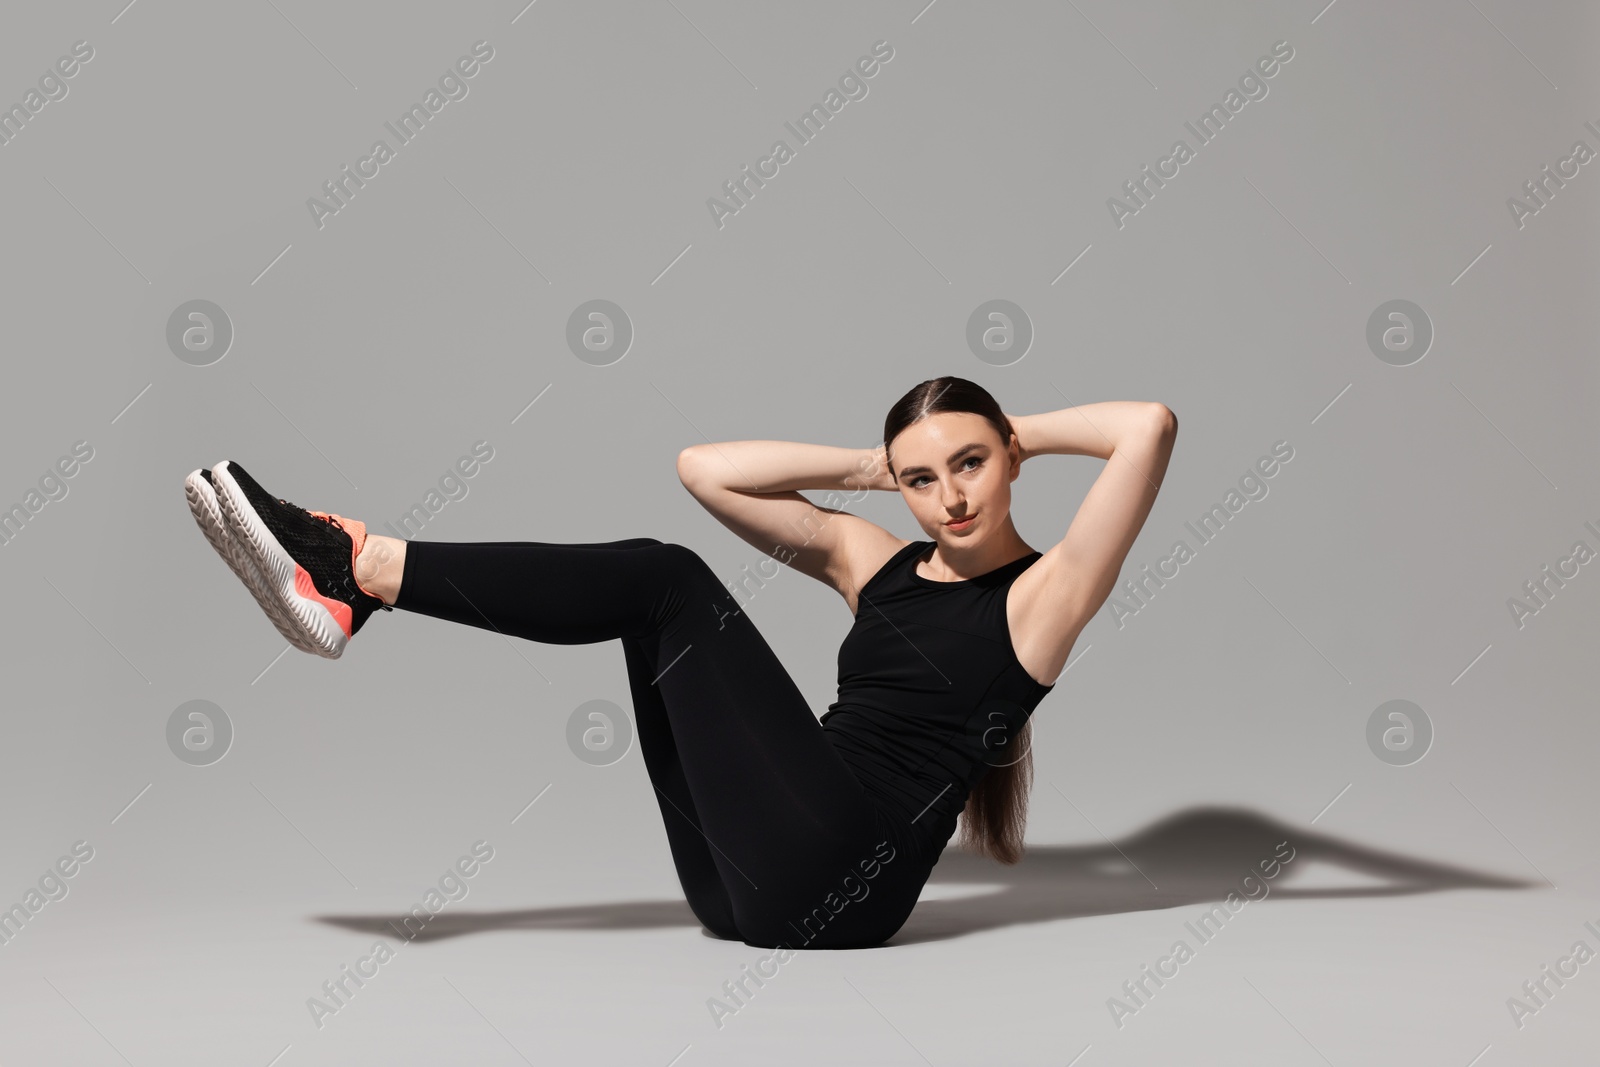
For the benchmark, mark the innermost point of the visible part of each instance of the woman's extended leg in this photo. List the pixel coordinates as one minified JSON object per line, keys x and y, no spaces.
{"x":784,"y":819}
{"x":691,"y":854}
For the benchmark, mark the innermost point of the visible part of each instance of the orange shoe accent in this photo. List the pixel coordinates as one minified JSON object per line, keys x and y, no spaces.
{"x":337,"y":608}
{"x":358,"y":537}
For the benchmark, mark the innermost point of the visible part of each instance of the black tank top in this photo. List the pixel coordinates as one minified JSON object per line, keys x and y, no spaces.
{"x":930,"y":689}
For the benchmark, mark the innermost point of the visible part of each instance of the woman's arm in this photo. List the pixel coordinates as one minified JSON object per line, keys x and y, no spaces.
{"x":1086,"y":430}
{"x":752,"y":488}
{"x":784,"y":466}
{"x":1070,"y":582}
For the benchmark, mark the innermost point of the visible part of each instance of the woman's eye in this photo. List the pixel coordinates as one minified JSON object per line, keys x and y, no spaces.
{"x":916,"y":483}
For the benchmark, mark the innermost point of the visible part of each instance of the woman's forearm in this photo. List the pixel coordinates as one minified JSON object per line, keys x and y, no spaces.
{"x":782,"y":466}
{"x":1086,"y":430}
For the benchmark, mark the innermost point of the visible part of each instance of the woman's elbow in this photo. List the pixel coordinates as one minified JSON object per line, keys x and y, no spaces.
{"x":688,"y":463}
{"x":1163,"y":420}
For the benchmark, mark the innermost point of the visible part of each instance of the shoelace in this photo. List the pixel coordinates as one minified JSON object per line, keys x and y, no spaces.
{"x":326,"y":516}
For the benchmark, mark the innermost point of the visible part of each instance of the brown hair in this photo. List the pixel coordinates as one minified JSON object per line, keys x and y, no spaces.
{"x":996,"y":812}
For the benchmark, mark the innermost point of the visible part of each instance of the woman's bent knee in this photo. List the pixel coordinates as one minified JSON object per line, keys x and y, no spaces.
{"x":685,"y":562}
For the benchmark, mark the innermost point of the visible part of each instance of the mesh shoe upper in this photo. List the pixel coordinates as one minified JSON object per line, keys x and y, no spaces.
{"x":318,"y":543}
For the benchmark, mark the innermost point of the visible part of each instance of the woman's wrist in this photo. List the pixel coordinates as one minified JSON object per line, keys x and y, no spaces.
{"x":1018,"y":422}
{"x":1095,"y":429}
{"x":872,"y":470}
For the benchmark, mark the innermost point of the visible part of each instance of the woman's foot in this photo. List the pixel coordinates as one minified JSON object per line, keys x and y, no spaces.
{"x":202,"y":497}
{"x":306,"y":559}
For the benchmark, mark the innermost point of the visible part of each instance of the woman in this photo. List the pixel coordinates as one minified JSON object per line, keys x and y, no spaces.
{"x":786,"y":831}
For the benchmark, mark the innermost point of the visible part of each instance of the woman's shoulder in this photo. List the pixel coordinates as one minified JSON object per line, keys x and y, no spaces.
{"x":865,"y":554}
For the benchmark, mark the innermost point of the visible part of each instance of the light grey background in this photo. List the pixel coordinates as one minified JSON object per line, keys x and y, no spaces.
{"x":431,"y":311}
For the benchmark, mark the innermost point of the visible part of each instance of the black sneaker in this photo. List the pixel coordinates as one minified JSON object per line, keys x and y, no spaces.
{"x":306,"y":559}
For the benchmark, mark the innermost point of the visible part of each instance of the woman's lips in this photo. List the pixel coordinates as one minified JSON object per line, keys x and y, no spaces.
{"x":962,"y":524}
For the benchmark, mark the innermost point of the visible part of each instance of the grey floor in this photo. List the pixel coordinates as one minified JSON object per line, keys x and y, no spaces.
{"x":1351,"y":954}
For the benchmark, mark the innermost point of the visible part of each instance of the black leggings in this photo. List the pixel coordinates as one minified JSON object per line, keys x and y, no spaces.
{"x":775,"y":841}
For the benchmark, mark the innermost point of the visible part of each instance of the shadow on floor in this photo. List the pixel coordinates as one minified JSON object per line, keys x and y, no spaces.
{"x":1197,"y":855}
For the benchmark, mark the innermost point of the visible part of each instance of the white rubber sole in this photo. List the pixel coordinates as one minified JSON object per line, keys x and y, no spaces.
{"x":208,"y":516}
{"x":283,"y":580}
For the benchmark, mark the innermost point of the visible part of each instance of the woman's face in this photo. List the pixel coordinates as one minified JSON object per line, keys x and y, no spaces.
{"x":953,"y":466}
